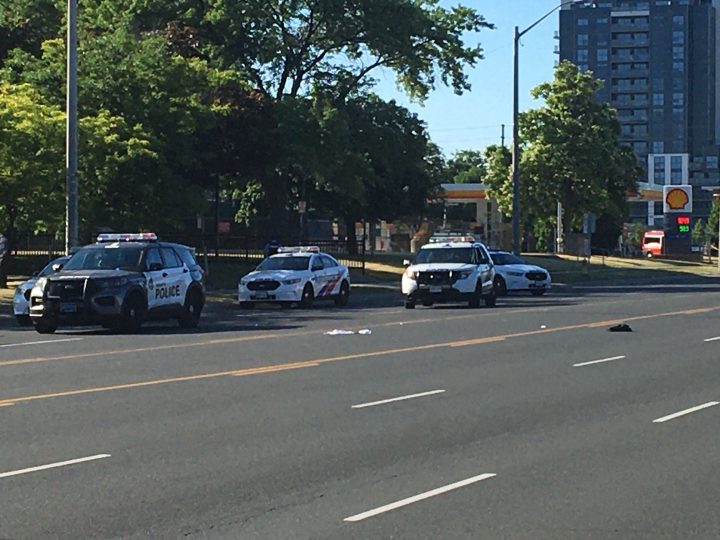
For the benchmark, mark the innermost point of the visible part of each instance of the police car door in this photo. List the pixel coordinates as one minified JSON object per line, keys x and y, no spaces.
{"x":317,"y":275}
{"x":175,"y":279}
{"x":154,"y":270}
{"x":333,"y":275}
{"x":485,"y":267}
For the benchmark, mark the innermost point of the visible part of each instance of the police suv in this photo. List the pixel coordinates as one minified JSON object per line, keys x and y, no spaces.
{"x":296,"y":275}
{"x":119,"y":282}
{"x":450,"y":269}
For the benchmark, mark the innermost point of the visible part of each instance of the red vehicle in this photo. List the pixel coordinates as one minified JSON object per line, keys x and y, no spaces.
{"x":653,"y":243}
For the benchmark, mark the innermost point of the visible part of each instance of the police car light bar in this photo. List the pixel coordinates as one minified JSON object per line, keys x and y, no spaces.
{"x":446,"y":239}
{"x":127,"y":237}
{"x":299,"y":249}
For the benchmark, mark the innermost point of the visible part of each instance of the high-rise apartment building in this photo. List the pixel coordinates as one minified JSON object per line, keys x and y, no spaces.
{"x":659,"y":61}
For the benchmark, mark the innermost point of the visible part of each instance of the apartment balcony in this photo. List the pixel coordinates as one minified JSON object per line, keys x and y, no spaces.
{"x":630,"y":43}
{"x":634,"y":89}
{"x":638,"y":57}
{"x":627,"y":26}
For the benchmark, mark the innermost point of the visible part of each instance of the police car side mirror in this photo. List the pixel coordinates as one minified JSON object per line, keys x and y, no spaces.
{"x":57,"y":267}
{"x":154,"y":267}
{"x":406,"y":262}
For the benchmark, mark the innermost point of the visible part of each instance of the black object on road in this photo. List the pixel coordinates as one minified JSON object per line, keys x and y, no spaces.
{"x":620,"y":328}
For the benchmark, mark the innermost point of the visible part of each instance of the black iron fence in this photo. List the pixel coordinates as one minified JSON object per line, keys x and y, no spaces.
{"x":227,"y":248}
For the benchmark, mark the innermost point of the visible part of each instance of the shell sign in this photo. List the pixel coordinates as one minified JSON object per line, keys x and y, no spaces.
{"x":677,"y":199}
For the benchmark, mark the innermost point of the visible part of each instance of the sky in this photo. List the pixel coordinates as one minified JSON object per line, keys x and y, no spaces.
{"x":473,"y":120}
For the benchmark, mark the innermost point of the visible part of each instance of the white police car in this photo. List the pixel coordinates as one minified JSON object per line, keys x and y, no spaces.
{"x":450,"y":269}
{"x":514,"y":274}
{"x":21,"y":299}
{"x":296,"y":275}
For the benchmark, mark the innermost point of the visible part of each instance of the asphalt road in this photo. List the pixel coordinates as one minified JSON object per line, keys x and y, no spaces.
{"x":528,"y":421}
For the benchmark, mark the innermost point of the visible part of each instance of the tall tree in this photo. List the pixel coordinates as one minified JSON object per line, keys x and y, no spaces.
{"x":571,"y":153}
{"x":466,"y":167}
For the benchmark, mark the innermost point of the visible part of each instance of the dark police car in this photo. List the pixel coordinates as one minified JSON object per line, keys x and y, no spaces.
{"x":119,"y":282}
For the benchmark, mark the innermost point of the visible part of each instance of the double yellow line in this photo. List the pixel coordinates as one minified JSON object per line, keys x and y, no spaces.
{"x":274,"y":368}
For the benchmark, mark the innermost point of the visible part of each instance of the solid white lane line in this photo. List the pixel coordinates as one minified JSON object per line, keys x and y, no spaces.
{"x":686,"y":411}
{"x":54,"y":465}
{"x":599,"y":361}
{"x":416,"y":498}
{"x":712,"y":339}
{"x":401,"y":398}
{"x":40,"y":342}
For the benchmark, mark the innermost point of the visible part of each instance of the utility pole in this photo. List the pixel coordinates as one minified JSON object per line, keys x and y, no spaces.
{"x":516,"y":148}
{"x":71,"y":150}
{"x":559,"y":248}
{"x":502,"y":136}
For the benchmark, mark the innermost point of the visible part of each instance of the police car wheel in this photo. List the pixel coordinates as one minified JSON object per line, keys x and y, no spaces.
{"x":490,"y":299}
{"x":474,"y":301}
{"x":409,"y":304}
{"x":500,"y":286}
{"x":192,"y":310}
{"x":343,"y":296}
{"x":427,"y":303}
{"x":23,"y":320}
{"x":308,"y":296}
{"x":45,"y":327}
{"x":133,"y":314}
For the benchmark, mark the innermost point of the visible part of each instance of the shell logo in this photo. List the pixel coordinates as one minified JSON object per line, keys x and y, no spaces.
{"x":677,"y":199}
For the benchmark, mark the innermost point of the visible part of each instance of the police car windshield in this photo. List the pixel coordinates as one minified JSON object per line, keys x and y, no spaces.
{"x":285,"y":263}
{"x":502,"y":259}
{"x":106,"y":258}
{"x":45,"y":272}
{"x":445,"y":255}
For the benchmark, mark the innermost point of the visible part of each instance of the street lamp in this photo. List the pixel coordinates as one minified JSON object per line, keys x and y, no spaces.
{"x":516,"y":112}
{"x":71,"y":148}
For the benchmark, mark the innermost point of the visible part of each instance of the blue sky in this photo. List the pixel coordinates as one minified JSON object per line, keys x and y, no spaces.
{"x":473,"y":120}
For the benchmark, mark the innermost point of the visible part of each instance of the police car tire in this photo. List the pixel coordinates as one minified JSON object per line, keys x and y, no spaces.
{"x":409,"y":304}
{"x":490,"y":299}
{"x":500,"y":286}
{"x":133,"y":314}
{"x":308,"y":297}
{"x":192,"y":310}
{"x":474,"y":301}
{"x":343,"y":296}
{"x":23,"y":320}
{"x":45,"y":327}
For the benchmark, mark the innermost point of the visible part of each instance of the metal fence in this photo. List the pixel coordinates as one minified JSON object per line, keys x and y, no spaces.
{"x":223,"y":248}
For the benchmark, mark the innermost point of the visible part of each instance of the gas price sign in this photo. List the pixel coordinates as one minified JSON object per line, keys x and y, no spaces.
{"x":683,"y":224}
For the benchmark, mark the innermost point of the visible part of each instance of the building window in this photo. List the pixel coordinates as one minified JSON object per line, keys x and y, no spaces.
{"x":583,"y":67}
{"x":602,"y":55}
{"x":625,"y":129}
{"x":712,"y":162}
{"x":582,"y":40}
{"x":641,"y":130}
{"x":602,"y":20}
{"x":658,"y":147}
{"x":678,"y":99}
{"x":678,"y":66}
{"x":582,"y":22}
{"x":676,"y":163}
{"x":658,"y":100}
{"x":678,"y":20}
{"x":678,"y":37}
{"x":678,"y":52}
{"x":640,"y":147}
{"x":582,"y":55}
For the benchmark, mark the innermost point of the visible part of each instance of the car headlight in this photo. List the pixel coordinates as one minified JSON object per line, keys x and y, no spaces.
{"x":40,"y":285}
{"x":411,"y":274}
{"x":293,"y":281}
{"x":111,"y":283}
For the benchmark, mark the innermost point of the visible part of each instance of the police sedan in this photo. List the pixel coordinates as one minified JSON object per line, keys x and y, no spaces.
{"x":514,"y":274}
{"x":21,"y":300}
{"x":299,"y":275}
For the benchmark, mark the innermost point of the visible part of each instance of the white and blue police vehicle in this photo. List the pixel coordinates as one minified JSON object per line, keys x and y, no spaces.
{"x":119,"y":282}
{"x":450,"y":269}
{"x":513,"y":274}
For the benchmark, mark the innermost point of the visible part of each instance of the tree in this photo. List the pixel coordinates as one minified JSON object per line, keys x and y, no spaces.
{"x":699,"y":233}
{"x":570,"y":153}
{"x":466,"y":167}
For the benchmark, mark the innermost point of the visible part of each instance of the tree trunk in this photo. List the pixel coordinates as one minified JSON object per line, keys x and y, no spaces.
{"x":352,"y":244}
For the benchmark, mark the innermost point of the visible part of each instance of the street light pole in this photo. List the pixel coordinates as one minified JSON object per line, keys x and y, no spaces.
{"x":71,"y":151}
{"x":516,"y":114}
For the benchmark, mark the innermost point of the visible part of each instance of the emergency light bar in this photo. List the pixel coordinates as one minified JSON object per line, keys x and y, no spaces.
{"x":127,"y":237}
{"x":299,"y":249}
{"x":446,"y":239}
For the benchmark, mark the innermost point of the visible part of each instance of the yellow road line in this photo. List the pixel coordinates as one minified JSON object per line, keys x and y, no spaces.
{"x":273,"y":368}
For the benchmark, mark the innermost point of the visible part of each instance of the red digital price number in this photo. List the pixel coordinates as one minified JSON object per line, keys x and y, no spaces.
{"x":683,"y":220}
